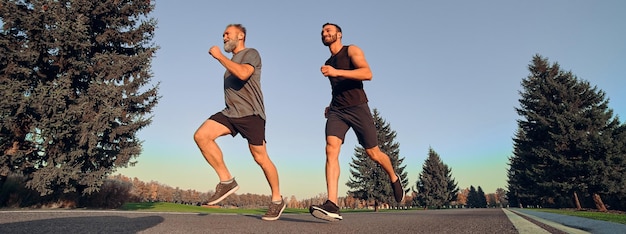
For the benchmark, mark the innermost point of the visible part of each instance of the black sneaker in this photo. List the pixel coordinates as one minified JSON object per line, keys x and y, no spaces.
{"x":274,"y":210}
{"x":327,"y":211}
{"x":398,"y":191}
{"x":222,"y":191}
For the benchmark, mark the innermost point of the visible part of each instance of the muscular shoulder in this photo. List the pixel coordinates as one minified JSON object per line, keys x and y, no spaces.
{"x":354,"y":50}
{"x":356,"y":55}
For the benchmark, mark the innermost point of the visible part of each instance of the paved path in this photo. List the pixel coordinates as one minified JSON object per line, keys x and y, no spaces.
{"x":431,"y":221}
{"x":573,"y":224}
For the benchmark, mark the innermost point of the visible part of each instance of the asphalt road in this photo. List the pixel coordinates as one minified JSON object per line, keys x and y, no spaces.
{"x":432,"y":221}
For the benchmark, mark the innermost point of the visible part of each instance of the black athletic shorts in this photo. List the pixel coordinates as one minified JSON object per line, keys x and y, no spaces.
{"x":250,"y":127}
{"x":359,"y":118}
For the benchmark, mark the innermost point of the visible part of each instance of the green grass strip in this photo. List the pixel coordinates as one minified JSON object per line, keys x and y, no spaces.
{"x":173,"y":207}
{"x":605,"y":216}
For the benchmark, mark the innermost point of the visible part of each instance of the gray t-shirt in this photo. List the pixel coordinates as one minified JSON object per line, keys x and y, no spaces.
{"x":244,"y":98}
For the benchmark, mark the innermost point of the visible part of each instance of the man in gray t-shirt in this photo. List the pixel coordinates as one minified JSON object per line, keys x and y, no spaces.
{"x":244,"y":97}
{"x":244,"y":114}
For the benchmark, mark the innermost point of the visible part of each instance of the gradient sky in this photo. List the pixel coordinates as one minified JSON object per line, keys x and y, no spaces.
{"x":446,"y":75}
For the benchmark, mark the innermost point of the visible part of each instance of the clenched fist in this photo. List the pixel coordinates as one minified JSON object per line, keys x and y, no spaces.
{"x":328,"y":71}
{"x":215,"y":52}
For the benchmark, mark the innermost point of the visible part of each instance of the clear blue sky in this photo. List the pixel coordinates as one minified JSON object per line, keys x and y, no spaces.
{"x":446,"y":75}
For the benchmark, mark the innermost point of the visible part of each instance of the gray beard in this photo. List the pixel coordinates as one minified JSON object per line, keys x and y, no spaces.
{"x":230,"y":45}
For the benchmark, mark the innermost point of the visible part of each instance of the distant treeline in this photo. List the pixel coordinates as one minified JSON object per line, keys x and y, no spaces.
{"x":119,"y":189}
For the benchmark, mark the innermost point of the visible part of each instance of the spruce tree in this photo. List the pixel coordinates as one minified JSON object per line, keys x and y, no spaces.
{"x":616,"y":172}
{"x":523,"y":179}
{"x":75,"y":82}
{"x":481,"y":199}
{"x":472,"y":198}
{"x":435,"y":186}
{"x":452,"y":189}
{"x":368,"y":181}
{"x":565,"y":144}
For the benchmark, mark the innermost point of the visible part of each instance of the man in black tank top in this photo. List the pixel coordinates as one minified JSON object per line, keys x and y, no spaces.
{"x":347,"y":69}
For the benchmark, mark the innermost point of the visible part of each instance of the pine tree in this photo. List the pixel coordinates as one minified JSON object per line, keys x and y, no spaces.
{"x":453,"y":188}
{"x":73,"y":77}
{"x":523,"y":179}
{"x":565,"y":144}
{"x":472,"y":198}
{"x":615,"y":172}
{"x":435,"y":186}
{"x":368,"y":181}
{"x":481,"y":198}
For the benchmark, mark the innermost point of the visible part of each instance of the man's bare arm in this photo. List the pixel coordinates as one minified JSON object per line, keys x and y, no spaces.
{"x":241,"y":71}
{"x":361,"y":72}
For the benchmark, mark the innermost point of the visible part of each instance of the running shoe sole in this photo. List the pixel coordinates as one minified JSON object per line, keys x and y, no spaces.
{"x":231,"y":191}
{"x":325,"y":215}
{"x":279,"y":214}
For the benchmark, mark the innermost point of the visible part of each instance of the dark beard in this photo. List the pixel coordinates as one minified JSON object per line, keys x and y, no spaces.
{"x":333,"y":39}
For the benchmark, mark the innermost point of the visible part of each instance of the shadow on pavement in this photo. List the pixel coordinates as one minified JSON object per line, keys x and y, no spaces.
{"x":288,"y":218}
{"x":95,"y":224}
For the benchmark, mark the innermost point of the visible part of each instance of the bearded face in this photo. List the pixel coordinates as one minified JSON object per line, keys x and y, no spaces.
{"x":329,"y":39}
{"x":231,"y":44}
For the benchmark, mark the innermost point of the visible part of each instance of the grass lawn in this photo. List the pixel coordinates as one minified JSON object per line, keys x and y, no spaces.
{"x":173,"y":207}
{"x":611,"y":217}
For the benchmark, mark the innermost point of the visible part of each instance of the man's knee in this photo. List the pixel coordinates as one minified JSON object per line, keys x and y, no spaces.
{"x":197,"y":136}
{"x":200,"y":135}
{"x":259,"y":153}
{"x":333,"y":142}
{"x":209,"y":131}
{"x":333,"y":145}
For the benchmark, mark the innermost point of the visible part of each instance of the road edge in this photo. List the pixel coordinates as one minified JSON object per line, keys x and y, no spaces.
{"x":552,"y":224}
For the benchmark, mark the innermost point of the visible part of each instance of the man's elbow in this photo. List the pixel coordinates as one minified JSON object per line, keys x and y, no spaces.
{"x":368,"y":76}
{"x":243,"y":78}
{"x":244,"y":73}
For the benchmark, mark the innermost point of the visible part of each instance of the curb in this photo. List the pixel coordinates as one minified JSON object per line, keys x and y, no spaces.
{"x":522,"y":225}
{"x":555,"y":225}
{"x":571,"y":223}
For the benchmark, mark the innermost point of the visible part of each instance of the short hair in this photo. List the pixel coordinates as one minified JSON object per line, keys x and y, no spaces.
{"x":240,"y":27}
{"x":336,"y":26}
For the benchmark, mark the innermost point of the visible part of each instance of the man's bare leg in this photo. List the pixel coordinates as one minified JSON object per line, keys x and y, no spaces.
{"x":383,"y":160}
{"x":259,"y":153}
{"x":205,"y":139}
{"x":333,"y":147}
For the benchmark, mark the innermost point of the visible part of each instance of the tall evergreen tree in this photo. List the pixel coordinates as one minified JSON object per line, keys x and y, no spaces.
{"x":368,"y":181}
{"x":481,"y":198}
{"x":472,"y":198}
{"x":452,"y":189}
{"x":435,"y":186}
{"x":523,"y":179}
{"x":565,"y":142}
{"x":73,"y":77}
{"x":616,"y":170}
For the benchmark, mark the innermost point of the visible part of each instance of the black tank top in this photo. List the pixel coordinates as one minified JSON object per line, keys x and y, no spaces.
{"x":346,"y":92}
